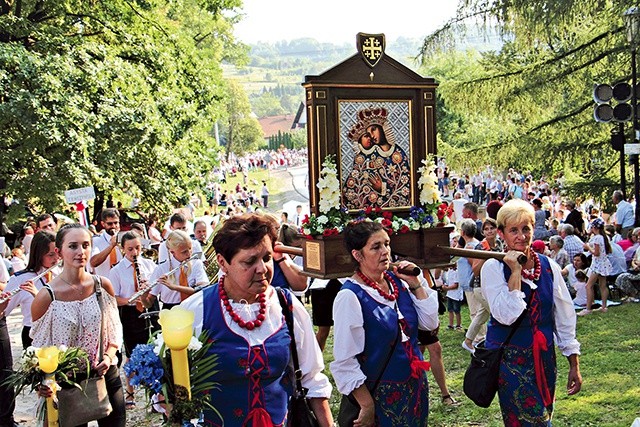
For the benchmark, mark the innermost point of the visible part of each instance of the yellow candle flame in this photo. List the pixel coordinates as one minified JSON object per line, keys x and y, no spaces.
{"x":48,"y":359}
{"x":177,"y":327}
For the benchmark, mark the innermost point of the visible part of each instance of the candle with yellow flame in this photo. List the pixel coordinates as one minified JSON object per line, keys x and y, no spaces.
{"x":177,"y":330}
{"x":48,"y":363}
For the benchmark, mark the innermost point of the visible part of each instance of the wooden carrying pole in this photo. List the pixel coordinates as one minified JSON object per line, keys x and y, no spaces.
{"x":292,"y":250}
{"x":472,"y":253}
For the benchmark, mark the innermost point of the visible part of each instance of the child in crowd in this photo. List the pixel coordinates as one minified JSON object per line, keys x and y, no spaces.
{"x":454,"y":297}
{"x":18,"y":260}
{"x":580,"y":286}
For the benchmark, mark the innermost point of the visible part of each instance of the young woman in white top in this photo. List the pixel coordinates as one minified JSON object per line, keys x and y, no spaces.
{"x":67,"y":312}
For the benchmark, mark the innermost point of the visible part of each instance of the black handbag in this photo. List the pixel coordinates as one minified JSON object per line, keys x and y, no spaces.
{"x":90,"y":400}
{"x":481,"y":378}
{"x":349,"y":408}
{"x":299,"y":413}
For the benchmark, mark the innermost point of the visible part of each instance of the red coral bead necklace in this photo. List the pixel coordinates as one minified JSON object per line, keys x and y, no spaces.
{"x":391,"y":296}
{"x":537,"y":268}
{"x":251,"y":324}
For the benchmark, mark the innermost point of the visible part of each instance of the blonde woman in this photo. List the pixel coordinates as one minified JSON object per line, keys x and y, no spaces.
{"x":180,"y":285}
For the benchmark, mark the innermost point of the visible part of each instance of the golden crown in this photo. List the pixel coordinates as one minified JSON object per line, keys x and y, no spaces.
{"x":366,"y":118}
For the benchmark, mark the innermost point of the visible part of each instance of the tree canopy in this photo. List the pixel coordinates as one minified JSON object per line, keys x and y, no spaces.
{"x":529,"y":105}
{"x":119,"y":95}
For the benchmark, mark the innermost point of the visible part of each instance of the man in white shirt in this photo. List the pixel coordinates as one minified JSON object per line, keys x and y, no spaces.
{"x":297,"y":217}
{"x":106,"y":253}
{"x":458,"y":205}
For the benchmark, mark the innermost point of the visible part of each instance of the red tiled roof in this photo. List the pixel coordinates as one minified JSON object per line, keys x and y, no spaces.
{"x":271,"y":125}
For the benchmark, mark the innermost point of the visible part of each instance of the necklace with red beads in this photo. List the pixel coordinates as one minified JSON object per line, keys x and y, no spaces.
{"x":388,"y":296}
{"x":537,"y":269}
{"x":251,"y":324}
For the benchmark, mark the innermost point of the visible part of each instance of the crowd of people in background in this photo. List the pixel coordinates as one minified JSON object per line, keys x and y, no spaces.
{"x":585,"y":250}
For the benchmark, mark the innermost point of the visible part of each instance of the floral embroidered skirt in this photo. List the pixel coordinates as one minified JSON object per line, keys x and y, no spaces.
{"x":520,"y":399}
{"x":403,"y":404}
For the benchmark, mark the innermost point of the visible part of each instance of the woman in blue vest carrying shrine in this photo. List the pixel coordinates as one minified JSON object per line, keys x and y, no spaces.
{"x":376,"y":315}
{"x":244,"y":318}
{"x":536,"y":291}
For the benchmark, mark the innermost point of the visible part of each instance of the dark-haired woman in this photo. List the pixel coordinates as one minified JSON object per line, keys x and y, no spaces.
{"x":43,"y":256}
{"x":67,"y":312}
{"x":243,"y":316}
{"x":377,"y":314}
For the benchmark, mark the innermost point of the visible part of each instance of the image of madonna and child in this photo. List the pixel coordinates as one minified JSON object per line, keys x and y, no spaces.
{"x":380,"y":173}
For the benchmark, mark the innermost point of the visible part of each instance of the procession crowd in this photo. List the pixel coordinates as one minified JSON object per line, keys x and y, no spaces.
{"x":383,"y":318}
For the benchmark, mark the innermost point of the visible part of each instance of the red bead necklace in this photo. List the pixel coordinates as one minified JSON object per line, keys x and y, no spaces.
{"x":388,"y":296}
{"x":537,"y":269}
{"x":250,"y":325}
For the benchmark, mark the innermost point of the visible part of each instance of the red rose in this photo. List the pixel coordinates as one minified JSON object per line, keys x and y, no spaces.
{"x":512,"y":420}
{"x":368,"y":210}
{"x":404,"y":229}
{"x":386,"y":223}
{"x":378,"y":210}
{"x":305,"y":220}
{"x":387,"y":215}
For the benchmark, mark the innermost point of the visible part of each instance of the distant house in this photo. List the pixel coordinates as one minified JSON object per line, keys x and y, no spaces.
{"x":283,"y":124}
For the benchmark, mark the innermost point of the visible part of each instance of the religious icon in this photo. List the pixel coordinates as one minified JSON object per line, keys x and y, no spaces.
{"x":375,"y":165}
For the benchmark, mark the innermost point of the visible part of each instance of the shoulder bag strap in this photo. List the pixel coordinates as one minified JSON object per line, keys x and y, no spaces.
{"x":386,"y":362}
{"x":97,"y":286}
{"x":518,"y":321}
{"x":288,"y":316}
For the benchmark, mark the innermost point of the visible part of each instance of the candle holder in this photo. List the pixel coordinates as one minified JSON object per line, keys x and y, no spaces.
{"x":177,"y":330}
{"x":48,"y":362}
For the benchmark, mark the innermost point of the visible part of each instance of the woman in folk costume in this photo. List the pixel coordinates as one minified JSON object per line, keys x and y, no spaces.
{"x":243,"y":316}
{"x":537,"y":292}
{"x":377,"y":314}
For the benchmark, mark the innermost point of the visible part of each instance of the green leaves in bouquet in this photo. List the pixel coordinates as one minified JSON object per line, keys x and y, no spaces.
{"x":73,"y":363}
{"x":202,"y":367}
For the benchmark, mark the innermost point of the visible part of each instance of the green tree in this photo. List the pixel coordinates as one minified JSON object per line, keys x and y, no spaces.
{"x":242,"y":129}
{"x":116,"y":94}
{"x":529,"y":104}
{"x":266,"y":104}
{"x":299,"y":138}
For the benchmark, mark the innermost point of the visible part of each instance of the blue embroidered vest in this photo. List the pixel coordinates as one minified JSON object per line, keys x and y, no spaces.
{"x":248,"y":377}
{"x":380,"y":330}
{"x":523,"y":338}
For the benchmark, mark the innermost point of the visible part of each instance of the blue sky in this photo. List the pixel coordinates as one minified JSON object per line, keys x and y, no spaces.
{"x":340,"y":21}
